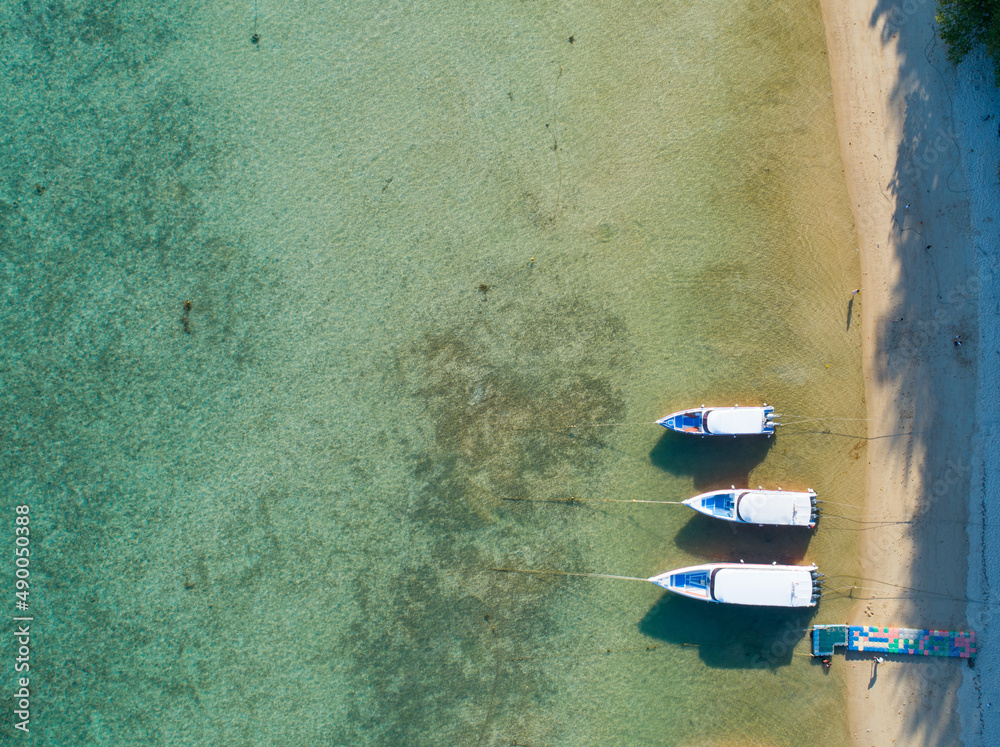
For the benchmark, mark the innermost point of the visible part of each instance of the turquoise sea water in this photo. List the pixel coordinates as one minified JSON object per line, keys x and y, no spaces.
{"x":431,"y":252}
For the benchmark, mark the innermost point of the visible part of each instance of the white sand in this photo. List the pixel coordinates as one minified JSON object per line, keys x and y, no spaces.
{"x":923,"y":205}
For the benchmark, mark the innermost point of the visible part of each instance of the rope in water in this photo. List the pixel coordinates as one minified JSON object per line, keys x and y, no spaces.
{"x":605,"y":425}
{"x":838,"y":590}
{"x":573,"y":499}
{"x":567,"y":573}
{"x":876,"y":522}
{"x":796,"y":420}
{"x":585,"y":425}
{"x":804,"y":419}
{"x":602,"y":500}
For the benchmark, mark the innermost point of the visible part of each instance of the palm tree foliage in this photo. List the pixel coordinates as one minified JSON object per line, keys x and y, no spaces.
{"x":965,"y":24}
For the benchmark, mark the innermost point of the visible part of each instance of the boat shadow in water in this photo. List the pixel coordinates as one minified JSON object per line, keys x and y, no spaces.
{"x":727,"y":541}
{"x":714,"y":461}
{"x":729,"y":636}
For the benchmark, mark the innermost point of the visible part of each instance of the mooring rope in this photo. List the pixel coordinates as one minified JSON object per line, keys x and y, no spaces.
{"x":605,"y":425}
{"x":906,"y":595}
{"x":890,"y":521}
{"x":795,"y":420}
{"x":897,"y":586}
{"x":838,"y":590}
{"x":567,"y":573}
{"x":804,"y":419}
{"x":874,"y":522}
{"x":571,"y":499}
{"x":582,"y":425}
{"x":859,"y":520}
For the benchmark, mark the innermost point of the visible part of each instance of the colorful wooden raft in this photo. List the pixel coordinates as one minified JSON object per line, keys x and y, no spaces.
{"x":883,"y":640}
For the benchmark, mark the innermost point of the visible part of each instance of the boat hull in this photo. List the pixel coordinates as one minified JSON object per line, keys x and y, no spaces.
{"x":745,"y":584}
{"x":762,"y":507}
{"x":722,"y":421}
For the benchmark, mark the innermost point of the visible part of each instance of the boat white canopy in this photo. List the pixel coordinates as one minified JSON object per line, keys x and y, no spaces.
{"x":766,"y":586}
{"x":786,"y":508}
{"x":732,"y":421}
{"x":758,"y":506}
{"x":748,"y":584}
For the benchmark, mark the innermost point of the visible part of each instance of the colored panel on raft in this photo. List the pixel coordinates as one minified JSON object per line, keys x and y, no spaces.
{"x":894,"y":640}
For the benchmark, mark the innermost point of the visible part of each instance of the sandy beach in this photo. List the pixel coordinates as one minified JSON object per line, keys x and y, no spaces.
{"x":909,"y":125}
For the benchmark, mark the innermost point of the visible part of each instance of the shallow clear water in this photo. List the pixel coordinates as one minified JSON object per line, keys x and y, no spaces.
{"x":430,"y":253}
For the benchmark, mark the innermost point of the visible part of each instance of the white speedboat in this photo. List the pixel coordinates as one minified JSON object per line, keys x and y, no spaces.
{"x":746,"y":506}
{"x":723,"y":421}
{"x":746,"y":583}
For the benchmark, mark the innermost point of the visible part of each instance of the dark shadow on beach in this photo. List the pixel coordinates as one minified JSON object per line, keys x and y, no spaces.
{"x":712,"y":462}
{"x":850,"y":312}
{"x":934,"y":298}
{"x":729,"y":636}
{"x":874,"y":678}
{"x":870,"y":660}
{"x":728,"y":541}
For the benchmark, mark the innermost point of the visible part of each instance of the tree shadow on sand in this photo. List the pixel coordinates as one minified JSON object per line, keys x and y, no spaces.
{"x":934,"y":298}
{"x":729,"y":636}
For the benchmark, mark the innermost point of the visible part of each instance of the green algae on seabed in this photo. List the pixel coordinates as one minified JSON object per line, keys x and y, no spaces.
{"x":270,"y":517}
